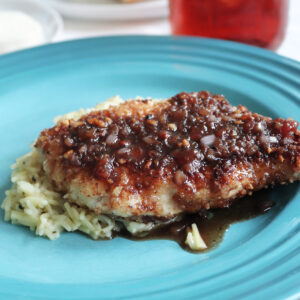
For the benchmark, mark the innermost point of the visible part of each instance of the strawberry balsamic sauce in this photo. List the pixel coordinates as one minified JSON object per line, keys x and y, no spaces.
{"x":188,"y":143}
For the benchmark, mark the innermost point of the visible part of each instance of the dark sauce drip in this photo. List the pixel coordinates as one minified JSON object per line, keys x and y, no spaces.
{"x":212,"y":224}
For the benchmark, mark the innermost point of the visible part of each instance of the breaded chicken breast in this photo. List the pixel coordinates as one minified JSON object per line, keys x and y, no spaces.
{"x":144,"y":158}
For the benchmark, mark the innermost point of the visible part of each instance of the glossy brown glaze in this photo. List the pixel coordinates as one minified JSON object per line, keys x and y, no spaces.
{"x":191,"y":132}
{"x":193,"y":150}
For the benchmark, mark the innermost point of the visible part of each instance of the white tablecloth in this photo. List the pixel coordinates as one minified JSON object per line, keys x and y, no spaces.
{"x":79,"y":29}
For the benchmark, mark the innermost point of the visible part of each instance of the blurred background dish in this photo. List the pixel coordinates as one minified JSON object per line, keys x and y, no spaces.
{"x":27,"y":23}
{"x":258,"y":23}
{"x":111,"y":9}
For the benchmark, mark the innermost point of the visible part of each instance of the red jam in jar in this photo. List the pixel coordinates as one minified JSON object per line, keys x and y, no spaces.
{"x":257,"y":22}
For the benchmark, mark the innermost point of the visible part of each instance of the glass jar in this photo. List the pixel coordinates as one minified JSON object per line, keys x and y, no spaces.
{"x":257,"y":22}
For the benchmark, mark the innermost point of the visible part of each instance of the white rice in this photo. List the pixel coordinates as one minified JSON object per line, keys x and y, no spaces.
{"x":33,"y":202}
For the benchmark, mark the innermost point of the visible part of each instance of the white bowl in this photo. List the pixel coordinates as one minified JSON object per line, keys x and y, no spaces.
{"x":46,"y":16}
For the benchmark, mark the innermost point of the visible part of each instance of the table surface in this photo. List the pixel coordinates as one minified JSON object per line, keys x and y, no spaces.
{"x":74,"y":29}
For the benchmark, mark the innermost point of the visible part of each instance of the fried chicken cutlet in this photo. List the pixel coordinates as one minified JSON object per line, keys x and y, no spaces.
{"x":146,"y":158}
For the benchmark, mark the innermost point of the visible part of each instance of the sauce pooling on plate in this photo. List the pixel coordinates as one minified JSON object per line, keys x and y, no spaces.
{"x":213,"y":223}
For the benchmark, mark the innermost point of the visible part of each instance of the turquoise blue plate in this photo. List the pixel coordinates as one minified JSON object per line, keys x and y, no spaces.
{"x":258,"y":259}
